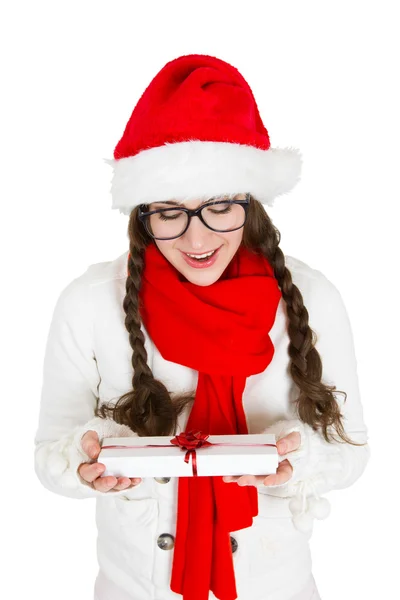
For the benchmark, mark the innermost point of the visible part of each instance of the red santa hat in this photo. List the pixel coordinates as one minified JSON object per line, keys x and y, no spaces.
{"x":196,"y":133}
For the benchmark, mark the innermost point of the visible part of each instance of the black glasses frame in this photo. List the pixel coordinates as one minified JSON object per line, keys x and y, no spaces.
{"x":195,"y":212}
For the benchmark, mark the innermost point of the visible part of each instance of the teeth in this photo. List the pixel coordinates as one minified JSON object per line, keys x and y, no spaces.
{"x":200,"y":255}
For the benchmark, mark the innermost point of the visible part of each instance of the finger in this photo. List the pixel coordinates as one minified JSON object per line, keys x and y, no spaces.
{"x":289,"y":443}
{"x":105,"y":484}
{"x":230,"y":478}
{"x":90,"y":444}
{"x":245,"y":479}
{"x":90,"y":471}
{"x":132,"y":482}
{"x":282,"y":475}
{"x":122,"y":483}
{"x":135,"y":481}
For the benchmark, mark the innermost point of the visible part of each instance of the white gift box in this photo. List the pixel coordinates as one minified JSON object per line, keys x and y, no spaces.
{"x":242,"y":455}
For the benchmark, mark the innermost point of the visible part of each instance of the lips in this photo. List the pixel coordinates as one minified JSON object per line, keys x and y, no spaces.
{"x":201,"y":256}
{"x":193,"y":262}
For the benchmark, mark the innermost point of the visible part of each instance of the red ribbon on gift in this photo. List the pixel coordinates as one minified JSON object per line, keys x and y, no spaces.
{"x":189,"y":441}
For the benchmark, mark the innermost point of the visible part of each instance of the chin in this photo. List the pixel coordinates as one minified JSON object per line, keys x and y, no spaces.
{"x":202,"y":278}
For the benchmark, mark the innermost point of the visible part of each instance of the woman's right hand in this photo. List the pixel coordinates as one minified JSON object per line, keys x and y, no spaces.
{"x":91,"y":472}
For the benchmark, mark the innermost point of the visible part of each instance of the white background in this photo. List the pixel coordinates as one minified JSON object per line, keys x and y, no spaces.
{"x":324,"y":75}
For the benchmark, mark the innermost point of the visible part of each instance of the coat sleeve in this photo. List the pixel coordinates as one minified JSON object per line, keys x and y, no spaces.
{"x":69,"y":396}
{"x":320,"y":466}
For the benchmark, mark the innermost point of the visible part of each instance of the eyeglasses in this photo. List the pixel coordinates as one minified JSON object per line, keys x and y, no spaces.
{"x":218,"y":215}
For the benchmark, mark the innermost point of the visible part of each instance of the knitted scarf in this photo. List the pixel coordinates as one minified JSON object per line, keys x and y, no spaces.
{"x":221,"y":331}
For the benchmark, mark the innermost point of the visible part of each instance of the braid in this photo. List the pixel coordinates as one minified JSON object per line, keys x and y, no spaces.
{"x":148,"y":408}
{"x":316,"y":404}
{"x":132,"y":319}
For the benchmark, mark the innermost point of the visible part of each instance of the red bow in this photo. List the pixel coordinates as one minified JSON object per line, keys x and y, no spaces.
{"x":190,"y":441}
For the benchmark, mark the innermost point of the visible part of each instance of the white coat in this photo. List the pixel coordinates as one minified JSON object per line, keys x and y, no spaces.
{"x":88,"y":361}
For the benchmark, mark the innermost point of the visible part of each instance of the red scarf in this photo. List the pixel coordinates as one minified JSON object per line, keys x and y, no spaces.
{"x":221,"y":331}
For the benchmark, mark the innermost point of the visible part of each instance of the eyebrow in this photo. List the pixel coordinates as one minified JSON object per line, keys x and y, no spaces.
{"x":167,"y":202}
{"x":173,"y":203}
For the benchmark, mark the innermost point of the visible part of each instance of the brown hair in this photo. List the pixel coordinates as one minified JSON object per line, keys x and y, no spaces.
{"x":150,"y":409}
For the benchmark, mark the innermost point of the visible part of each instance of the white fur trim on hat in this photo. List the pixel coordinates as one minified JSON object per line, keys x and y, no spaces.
{"x":195,"y":169}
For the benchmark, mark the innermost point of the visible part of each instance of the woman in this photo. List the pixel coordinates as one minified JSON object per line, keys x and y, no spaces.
{"x":203,"y":324}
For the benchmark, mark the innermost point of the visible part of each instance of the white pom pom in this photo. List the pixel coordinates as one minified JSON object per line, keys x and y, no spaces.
{"x":296,"y":505}
{"x":303,"y":522}
{"x":319,"y":507}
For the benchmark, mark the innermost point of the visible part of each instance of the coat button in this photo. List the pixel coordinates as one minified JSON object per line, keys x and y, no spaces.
{"x":166,"y":541}
{"x":234,"y":544}
{"x":162,"y":479}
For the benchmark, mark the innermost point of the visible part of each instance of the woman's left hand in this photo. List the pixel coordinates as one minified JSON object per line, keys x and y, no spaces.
{"x":284,"y":471}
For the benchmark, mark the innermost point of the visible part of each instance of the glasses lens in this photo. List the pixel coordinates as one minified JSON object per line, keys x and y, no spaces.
{"x":224,"y":216}
{"x":167,"y":223}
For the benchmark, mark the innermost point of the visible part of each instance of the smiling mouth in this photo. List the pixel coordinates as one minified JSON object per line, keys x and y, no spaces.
{"x":201,"y":257}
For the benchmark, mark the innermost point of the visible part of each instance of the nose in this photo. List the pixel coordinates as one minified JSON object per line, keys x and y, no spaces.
{"x":197,"y":235}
